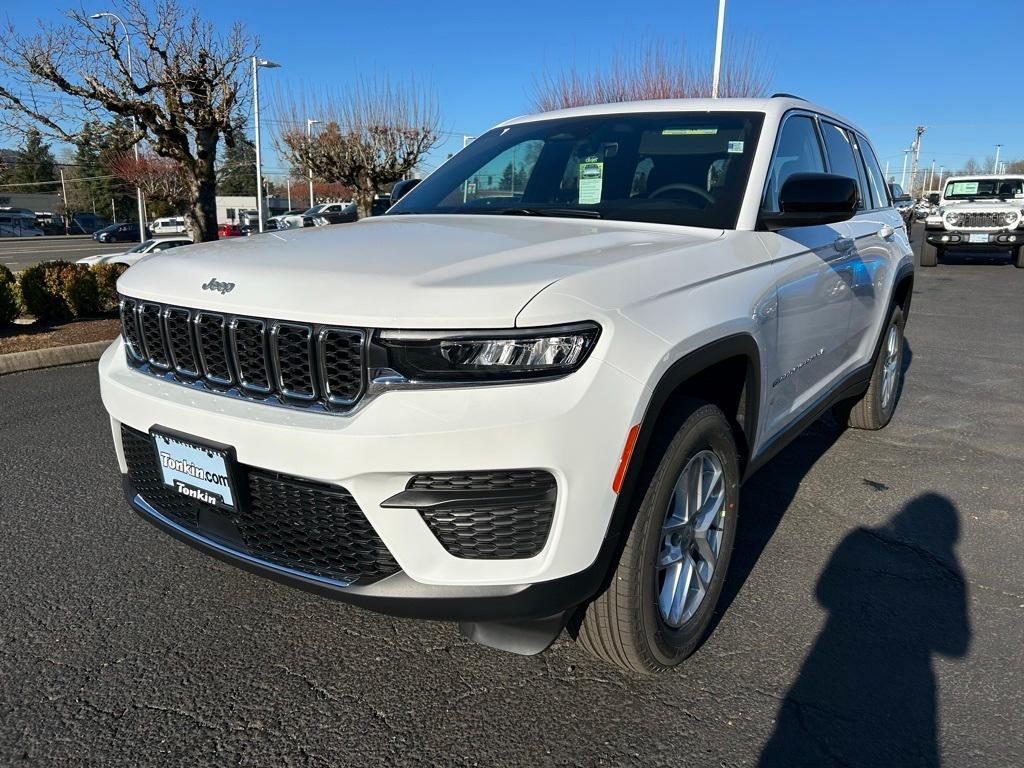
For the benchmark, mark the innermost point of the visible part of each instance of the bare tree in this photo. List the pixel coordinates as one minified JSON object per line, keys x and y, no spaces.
{"x":185,"y":89}
{"x":374,"y":133}
{"x":160,"y":178}
{"x":654,"y":71}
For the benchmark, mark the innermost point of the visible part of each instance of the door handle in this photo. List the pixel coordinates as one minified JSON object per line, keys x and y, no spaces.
{"x":886,"y":232}
{"x":842,"y":244}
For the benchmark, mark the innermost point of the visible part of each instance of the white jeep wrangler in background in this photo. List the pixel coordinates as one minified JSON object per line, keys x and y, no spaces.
{"x":979,"y":214}
{"x":532,"y":390}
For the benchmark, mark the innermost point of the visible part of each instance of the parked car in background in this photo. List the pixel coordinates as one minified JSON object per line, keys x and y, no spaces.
{"x":169,"y":225}
{"x":125,"y":232}
{"x":279,"y":219}
{"x":19,"y":222}
{"x":977,"y":214}
{"x":129,"y":257}
{"x":903,"y":203}
{"x":516,"y":407}
{"x":402,"y":188}
{"x":229,"y":229}
{"x":306,"y":218}
{"x":328,"y":217}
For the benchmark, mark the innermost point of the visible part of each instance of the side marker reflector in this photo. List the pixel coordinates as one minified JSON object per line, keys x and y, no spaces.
{"x":627,"y":452}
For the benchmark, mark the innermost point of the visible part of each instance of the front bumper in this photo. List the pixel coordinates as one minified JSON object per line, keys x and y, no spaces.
{"x":573,"y":428}
{"x":1000,"y":240}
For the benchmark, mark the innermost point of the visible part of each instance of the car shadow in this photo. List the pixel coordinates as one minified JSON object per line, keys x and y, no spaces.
{"x":866,"y":693}
{"x":960,"y":258}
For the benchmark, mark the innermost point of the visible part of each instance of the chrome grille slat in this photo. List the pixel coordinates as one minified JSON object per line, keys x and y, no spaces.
{"x":291,"y":346}
{"x":152,"y":332}
{"x":305,"y":366}
{"x":181,"y":343}
{"x":130,"y":329}
{"x":211,"y":337}
{"x":249,"y":347}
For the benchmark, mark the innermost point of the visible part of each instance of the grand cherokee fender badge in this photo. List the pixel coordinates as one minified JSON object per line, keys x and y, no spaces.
{"x":217,"y":285}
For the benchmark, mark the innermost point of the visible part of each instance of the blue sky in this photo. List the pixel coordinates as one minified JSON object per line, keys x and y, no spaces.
{"x":888,"y":66}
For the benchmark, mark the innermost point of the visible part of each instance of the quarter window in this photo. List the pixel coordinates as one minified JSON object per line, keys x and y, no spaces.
{"x":798,"y":151}
{"x":878,"y":188}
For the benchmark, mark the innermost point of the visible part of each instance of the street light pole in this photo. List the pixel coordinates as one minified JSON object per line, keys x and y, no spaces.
{"x":903,"y":176}
{"x":995,"y":165}
{"x":256,"y":64}
{"x":309,"y":140}
{"x":135,"y":126}
{"x":718,"y":50}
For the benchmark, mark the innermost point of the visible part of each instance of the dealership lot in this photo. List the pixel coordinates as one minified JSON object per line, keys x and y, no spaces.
{"x":876,"y":589}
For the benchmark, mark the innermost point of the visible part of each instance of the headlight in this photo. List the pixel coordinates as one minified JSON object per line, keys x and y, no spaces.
{"x":1009,"y":218}
{"x":488,"y":356}
{"x":953,"y":218}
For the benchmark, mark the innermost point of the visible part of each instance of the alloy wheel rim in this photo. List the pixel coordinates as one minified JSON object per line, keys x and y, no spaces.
{"x":890,"y":368}
{"x":691,"y":539}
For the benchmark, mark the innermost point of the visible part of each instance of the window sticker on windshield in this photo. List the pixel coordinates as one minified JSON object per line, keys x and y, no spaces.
{"x":591,"y":180}
{"x":964,"y":188}
{"x":735,"y":147}
{"x":709,"y":130}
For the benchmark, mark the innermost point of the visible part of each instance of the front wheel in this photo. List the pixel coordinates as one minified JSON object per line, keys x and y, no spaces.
{"x":663,"y":593}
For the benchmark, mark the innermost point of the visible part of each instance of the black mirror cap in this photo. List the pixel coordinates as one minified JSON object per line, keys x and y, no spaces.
{"x":810,"y":199}
{"x":402,"y":188}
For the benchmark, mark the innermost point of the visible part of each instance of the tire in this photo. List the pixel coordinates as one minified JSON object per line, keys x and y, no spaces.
{"x":1018,"y":258}
{"x":875,"y":408}
{"x":625,"y":625}
{"x":929,"y":254}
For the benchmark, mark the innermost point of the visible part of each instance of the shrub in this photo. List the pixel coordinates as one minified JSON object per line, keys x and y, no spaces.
{"x":106,"y":281}
{"x":9,"y":304}
{"x":57,"y":290}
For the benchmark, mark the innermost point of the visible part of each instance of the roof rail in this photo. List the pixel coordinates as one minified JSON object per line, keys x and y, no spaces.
{"x":787,"y":96}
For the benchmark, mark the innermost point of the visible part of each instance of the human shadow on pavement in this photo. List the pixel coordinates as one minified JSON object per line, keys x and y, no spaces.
{"x":866,"y":694}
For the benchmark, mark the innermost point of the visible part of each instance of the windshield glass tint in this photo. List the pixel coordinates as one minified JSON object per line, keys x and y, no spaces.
{"x":669,"y":168}
{"x":141,"y":247}
{"x":991,"y":188}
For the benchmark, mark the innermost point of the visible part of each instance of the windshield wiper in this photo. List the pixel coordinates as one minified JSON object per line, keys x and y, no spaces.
{"x":579,"y":213}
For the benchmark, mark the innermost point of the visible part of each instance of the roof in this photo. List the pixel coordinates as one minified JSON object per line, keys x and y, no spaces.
{"x":773,"y":107}
{"x":986,"y":176}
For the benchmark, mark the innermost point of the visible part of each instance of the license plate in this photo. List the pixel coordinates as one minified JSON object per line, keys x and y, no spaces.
{"x":197,"y":470}
{"x":983,"y":238}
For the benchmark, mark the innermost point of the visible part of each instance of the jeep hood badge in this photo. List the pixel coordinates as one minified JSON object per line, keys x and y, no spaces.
{"x":217,"y":285}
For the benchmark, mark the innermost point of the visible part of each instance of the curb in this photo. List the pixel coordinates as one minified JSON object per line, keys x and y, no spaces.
{"x":16,"y":362}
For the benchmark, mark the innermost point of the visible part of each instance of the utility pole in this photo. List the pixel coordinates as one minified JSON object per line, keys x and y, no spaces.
{"x":995,"y":165}
{"x":903,"y":176}
{"x":309,"y":140}
{"x":256,"y":64}
{"x":886,"y":177}
{"x":931,"y":177}
{"x":64,"y":192}
{"x":916,"y":146}
{"x":718,"y":50}
{"x":942,"y":170}
{"x":289,"y":193}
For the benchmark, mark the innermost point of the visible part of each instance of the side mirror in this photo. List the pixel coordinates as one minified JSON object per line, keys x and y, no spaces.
{"x":933,"y":198}
{"x":402,"y":188}
{"x":810,"y":199}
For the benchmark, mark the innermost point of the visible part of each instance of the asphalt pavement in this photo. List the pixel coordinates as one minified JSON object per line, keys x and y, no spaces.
{"x":18,"y":253}
{"x":874,"y":612}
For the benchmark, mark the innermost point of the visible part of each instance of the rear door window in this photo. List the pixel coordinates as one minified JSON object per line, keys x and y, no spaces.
{"x":841,"y":158}
{"x":879,"y":191}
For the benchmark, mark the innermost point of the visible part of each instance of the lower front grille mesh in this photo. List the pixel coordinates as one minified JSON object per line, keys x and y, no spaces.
{"x":290,"y":522}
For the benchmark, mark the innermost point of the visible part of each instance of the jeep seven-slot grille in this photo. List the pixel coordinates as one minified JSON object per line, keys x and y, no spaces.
{"x":287,"y":521}
{"x":302,"y":365}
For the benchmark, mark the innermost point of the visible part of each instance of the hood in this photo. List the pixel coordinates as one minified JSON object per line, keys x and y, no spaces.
{"x":103,"y":258}
{"x":1012,"y":204}
{"x":414,"y":271}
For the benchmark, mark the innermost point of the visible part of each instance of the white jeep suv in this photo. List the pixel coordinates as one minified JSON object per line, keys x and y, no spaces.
{"x":977,"y":214}
{"x":532,"y":390}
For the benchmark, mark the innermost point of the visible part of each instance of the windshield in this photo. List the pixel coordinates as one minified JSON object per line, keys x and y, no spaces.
{"x":141,"y":246}
{"x":315,"y":209}
{"x":687,"y":168}
{"x":992,"y":189}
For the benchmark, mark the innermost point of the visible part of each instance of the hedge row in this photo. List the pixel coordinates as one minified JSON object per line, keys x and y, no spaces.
{"x":59,"y":290}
